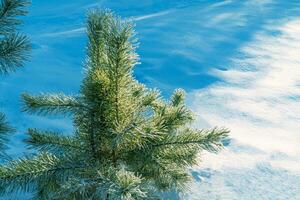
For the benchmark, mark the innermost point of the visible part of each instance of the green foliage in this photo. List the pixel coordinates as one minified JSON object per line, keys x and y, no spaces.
{"x":52,"y":141}
{"x":5,"y":129}
{"x":50,"y":104}
{"x":14,"y":47}
{"x":128,"y":142}
{"x":4,"y":126}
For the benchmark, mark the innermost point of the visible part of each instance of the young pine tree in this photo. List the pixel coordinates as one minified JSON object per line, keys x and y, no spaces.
{"x":128,"y":142}
{"x":14,"y":49}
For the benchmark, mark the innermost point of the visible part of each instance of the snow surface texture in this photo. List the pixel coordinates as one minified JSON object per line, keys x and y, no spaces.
{"x":259,"y":102}
{"x":238,"y":60}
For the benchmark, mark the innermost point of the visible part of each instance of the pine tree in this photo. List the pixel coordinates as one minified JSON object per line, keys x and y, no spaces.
{"x":128,"y":142}
{"x":14,"y":49}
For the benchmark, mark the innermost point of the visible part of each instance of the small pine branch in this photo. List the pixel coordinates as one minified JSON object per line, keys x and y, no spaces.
{"x":24,"y":173}
{"x":97,"y":25}
{"x":209,"y":140}
{"x":5,"y":129}
{"x":46,"y":104}
{"x":150,"y":97}
{"x":168,"y":118}
{"x":14,"y":51}
{"x":14,"y":47}
{"x":52,"y":141}
{"x":126,"y":185}
{"x":178,"y":97}
{"x":4,"y":126}
{"x":171,"y":177}
{"x":9,"y":11}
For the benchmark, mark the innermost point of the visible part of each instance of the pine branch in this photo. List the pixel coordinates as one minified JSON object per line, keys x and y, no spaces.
{"x":78,"y":189}
{"x":24,"y":173}
{"x":166,"y":176}
{"x":9,"y":10}
{"x":5,"y":129}
{"x":14,"y":51}
{"x":97,"y":25}
{"x":121,"y":59}
{"x":52,"y":141}
{"x":181,"y":155}
{"x":116,"y":57}
{"x":46,"y":104}
{"x":177,"y":98}
{"x":168,"y":118}
{"x":210,"y":140}
{"x":4,"y":126}
{"x":126,"y":185}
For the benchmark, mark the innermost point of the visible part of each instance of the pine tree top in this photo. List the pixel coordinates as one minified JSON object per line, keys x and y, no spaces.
{"x":128,"y":143}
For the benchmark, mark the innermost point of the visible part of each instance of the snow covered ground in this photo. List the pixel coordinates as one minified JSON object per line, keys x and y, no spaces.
{"x":259,"y":101}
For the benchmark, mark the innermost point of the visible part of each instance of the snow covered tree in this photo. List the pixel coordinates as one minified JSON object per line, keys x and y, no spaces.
{"x":128,"y":142}
{"x":14,"y":48}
